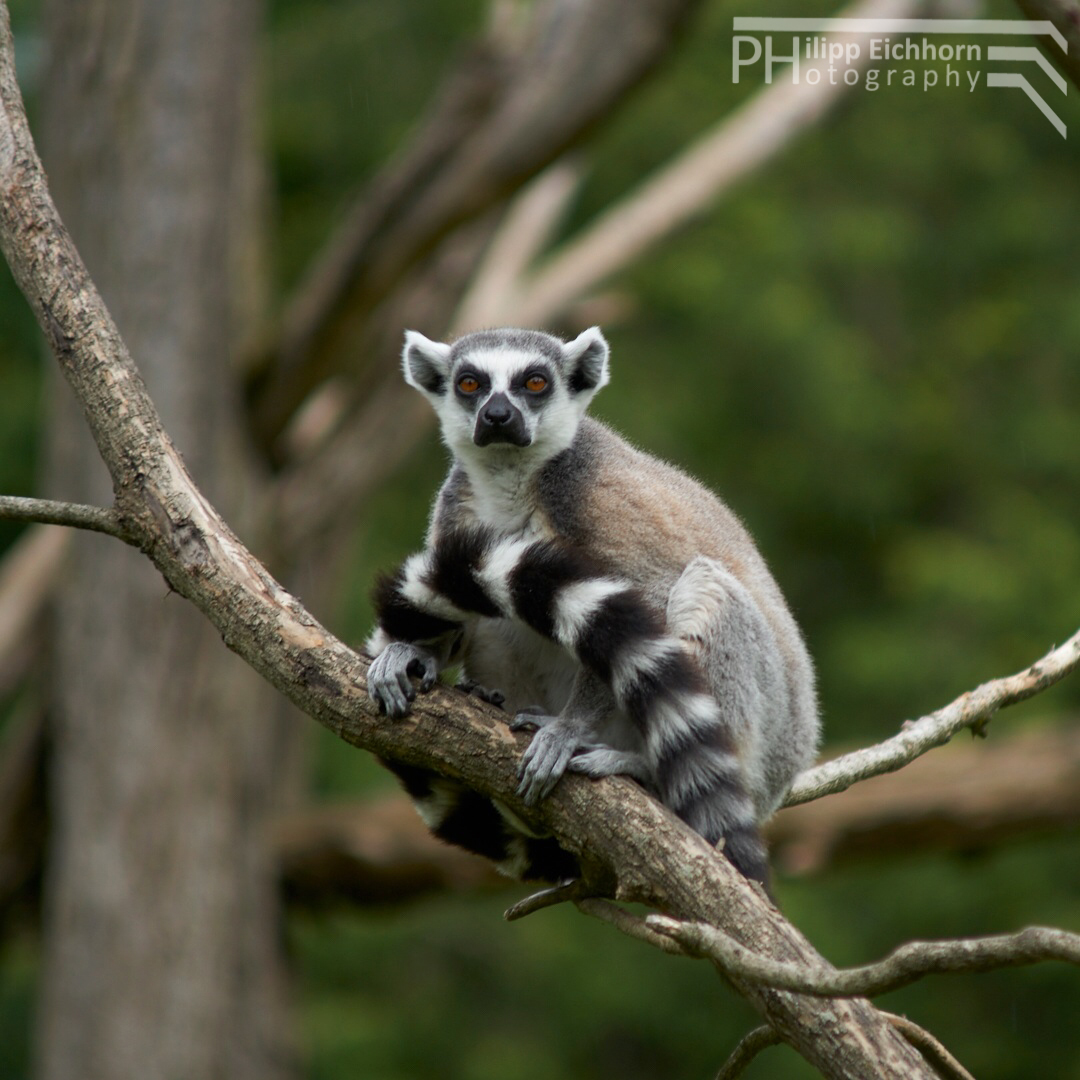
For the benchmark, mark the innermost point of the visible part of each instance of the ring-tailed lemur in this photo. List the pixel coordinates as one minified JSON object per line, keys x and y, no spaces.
{"x":620,"y":607}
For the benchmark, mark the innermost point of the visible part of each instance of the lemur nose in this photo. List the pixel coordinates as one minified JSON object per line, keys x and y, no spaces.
{"x":497,"y":411}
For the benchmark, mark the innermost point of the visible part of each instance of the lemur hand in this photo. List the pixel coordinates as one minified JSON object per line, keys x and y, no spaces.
{"x":389,"y":678}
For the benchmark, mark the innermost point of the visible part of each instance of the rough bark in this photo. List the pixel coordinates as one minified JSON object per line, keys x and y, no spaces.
{"x":626,"y":840}
{"x":161,"y":945}
{"x":963,"y":798}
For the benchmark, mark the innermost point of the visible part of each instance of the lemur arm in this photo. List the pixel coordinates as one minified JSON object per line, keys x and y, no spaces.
{"x":408,"y":641}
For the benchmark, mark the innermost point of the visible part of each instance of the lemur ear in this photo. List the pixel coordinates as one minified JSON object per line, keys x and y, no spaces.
{"x":426,"y":363}
{"x":586,"y":360}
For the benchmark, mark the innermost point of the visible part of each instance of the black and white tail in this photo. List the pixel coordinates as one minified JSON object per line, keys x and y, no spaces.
{"x":609,"y":626}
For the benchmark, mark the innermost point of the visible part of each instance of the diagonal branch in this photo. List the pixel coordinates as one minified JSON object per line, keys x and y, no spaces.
{"x":971,"y":710}
{"x":750,"y":1045}
{"x":946,"y":1065}
{"x":734,"y":149}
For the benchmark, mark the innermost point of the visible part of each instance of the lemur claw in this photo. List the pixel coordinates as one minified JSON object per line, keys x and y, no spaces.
{"x":492,"y":697}
{"x":390,"y":676}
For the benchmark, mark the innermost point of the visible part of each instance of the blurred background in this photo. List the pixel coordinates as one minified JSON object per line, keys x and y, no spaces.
{"x":862,"y":331}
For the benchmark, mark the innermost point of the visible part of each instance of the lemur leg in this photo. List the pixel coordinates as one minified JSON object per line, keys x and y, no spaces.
{"x":603,"y":761}
{"x":574,"y":736}
{"x":736,"y":649}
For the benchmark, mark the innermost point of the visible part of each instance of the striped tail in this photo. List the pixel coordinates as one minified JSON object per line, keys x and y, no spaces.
{"x":609,"y":626}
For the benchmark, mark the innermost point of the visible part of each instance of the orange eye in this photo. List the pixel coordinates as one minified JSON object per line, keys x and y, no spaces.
{"x":468,"y":384}
{"x":535,"y":383}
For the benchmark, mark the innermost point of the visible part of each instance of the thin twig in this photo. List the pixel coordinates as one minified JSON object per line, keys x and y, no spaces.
{"x":970,"y":710}
{"x":906,"y":964}
{"x":929,"y":1047}
{"x":750,"y":1045}
{"x":631,"y":925}
{"x":50,"y":512}
{"x":558,"y":894}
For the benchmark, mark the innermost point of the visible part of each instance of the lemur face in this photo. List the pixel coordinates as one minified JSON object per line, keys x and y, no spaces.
{"x":498,"y":391}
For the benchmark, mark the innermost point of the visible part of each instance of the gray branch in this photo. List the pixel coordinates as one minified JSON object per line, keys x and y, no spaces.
{"x":49,"y":512}
{"x":748,"y":1048}
{"x":906,"y":964}
{"x":971,"y":710}
{"x":946,"y":1065}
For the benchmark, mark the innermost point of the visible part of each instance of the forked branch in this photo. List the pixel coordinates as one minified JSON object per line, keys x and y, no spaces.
{"x":904,"y":965}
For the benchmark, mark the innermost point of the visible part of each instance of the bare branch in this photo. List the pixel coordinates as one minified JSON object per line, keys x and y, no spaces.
{"x":906,"y":964}
{"x":631,"y":925}
{"x":749,"y":1047}
{"x":971,"y":710}
{"x":493,"y":299}
{"x":966,"y":796}
{"x":49,"y":512}
{"x":943,"y":1062}
{"x":735,"y":148}
{"x":570,"y":892}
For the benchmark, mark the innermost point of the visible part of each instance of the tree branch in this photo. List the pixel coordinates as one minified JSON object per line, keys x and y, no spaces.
{"x":971,"y":710}
{"x":943,"y":1062}
{"x":50,"y":512}
{"x":735,"y":148}
{"x":906,"y":964}
{"x":750,"y":1045}
{"x":967,"y":796}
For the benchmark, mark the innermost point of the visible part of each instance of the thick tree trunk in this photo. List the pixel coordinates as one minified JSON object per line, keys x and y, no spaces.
{"x":161,"y":935}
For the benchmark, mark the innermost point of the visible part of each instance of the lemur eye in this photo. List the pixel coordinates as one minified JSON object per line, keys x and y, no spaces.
{"x":535,"y":383}
{"x":468,"y":384}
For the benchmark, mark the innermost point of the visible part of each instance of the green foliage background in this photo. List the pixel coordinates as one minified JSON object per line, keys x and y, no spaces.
{"x":871,"y":350}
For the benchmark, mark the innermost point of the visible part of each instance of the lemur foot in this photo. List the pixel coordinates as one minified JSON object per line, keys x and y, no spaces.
{"x":601,"y":761}
{"x":389,"y":678}
{"x":531,"y":718}
{"x":547,"y":756}
{"x":474,"y":689}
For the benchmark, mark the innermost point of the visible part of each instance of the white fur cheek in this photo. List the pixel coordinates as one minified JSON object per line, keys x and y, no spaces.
{"x":456,"y":426}
{"x":557,"y":424}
